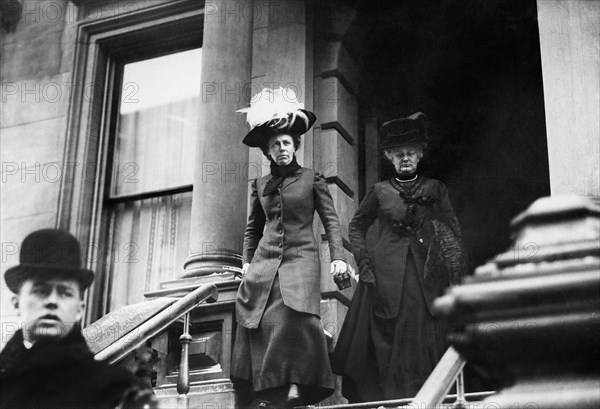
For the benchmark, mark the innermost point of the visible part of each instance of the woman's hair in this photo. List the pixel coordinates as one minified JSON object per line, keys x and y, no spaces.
{"x":389,"y":153}
{"x":265,"y":147}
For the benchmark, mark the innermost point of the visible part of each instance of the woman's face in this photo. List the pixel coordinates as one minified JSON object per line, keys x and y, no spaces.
{"x":281,"y":149}
{"x":405,"y":159}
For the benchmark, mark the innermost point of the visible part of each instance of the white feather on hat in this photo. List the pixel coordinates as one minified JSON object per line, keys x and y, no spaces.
{"x":268,"y":104}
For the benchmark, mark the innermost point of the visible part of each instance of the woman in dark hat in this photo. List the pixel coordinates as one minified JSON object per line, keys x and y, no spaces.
{"x":280,"y":351}
{"x":391,"y":340}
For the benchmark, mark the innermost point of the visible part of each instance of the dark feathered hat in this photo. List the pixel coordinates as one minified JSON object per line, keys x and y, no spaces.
{"x":48,"y":253}
{"x":274,"y":112}
{"x":404,"y":131}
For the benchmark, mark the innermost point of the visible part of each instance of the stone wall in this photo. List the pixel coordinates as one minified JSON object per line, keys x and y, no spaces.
{"x":36,"y":66}
{"x":569,"y":33}
{"x":336,"y":139}
{"x":36,"y":76}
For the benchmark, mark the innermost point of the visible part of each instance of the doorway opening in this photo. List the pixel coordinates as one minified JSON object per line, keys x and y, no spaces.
{"x":475,"y":69}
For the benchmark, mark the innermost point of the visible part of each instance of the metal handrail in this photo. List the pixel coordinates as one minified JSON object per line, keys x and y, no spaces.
{"x":440,"y":381}
{"x":394,"y":403}
{"x":155,"y":325}
{"x":433,"y":392}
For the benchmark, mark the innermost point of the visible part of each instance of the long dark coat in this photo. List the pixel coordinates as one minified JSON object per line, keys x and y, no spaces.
{"x":64,"y":374}
{"x":279,"y":238}
{"x":390,"y":341}
{"x":433,"y":236}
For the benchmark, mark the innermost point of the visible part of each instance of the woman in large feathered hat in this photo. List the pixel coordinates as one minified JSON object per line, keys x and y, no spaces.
{"x":280,"y":352}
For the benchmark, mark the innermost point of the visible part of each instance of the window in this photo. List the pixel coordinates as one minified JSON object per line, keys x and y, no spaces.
{"x":148,"y":201}
{"x":133,"y":128}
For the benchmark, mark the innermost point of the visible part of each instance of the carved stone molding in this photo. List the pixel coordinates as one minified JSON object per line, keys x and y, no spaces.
{"x":528,"y":320}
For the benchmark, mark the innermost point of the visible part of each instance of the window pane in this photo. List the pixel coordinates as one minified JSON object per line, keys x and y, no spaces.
{"x":149,"y":241}
{"x":158,"y":124}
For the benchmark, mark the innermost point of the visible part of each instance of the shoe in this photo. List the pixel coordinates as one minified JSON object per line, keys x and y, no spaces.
{"x":294,"y":399}
{"x":262,"y":404}
{"x":294,"y":402}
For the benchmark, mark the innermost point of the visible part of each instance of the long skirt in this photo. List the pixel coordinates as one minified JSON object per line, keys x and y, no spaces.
{"x":388,"y":358}
{"x":287,"y":347}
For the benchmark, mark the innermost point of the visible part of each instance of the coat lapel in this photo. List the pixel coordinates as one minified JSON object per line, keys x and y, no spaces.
{"x":260,"y":184}
{"x":291,"y":179}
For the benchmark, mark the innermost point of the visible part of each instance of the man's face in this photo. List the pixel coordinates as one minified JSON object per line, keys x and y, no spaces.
{"x":48,"y":308}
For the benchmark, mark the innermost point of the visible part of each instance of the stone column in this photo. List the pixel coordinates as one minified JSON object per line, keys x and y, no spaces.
{"x":218,"y":212}
{"x":282,"y":56}
{"x":569,"y":32}
{"x":220,"y":188}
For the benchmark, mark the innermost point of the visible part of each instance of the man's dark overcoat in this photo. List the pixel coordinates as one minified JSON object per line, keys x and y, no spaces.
{"x":64,"y":374}
{"x":279,"y":238}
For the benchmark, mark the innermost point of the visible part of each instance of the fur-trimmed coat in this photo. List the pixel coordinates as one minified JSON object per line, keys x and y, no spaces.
{"x":420,"y":219}
{"x":64,"y":374}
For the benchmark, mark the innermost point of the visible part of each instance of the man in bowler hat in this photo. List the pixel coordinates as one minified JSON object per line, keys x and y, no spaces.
{"x":48,"y":364}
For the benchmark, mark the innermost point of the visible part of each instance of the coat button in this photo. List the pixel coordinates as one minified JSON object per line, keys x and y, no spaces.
{"x":280,"y":244}
{"x":278,"y":204}
{"x":280,"y":231}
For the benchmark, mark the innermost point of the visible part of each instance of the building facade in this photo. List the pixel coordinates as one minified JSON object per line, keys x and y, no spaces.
{"x":119,"y":124}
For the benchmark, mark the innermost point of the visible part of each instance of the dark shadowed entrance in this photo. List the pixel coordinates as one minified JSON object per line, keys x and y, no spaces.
{"x":474,"y":67}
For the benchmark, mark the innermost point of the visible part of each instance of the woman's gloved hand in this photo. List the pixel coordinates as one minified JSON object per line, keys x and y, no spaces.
{"x":366,"y":274}
{"x":245,"y":268}
{"x":341,"y":274}
{"x":338,"y":267}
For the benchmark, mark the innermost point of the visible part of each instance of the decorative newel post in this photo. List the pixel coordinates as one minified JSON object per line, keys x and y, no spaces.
{"x":183,"y":381}
{"x":529,"y":319}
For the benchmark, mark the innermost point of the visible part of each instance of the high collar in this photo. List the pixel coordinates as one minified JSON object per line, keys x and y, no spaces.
{"x":281,"y":176}
{"x":405,"y":178}
{"x":285,"y":170}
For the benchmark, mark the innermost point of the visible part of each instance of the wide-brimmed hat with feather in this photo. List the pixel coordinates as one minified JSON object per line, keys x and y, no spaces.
{"x":404,"y":131}
{"x":274,"y":112}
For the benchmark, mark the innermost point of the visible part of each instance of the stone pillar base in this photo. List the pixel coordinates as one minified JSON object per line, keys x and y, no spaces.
{"x":217,"y":266}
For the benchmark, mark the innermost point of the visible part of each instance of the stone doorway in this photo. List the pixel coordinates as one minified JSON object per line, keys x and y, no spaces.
{"x":475,"y":69}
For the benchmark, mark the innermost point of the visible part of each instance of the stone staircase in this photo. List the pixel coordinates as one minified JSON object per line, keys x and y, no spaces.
{"x":528,"y":321}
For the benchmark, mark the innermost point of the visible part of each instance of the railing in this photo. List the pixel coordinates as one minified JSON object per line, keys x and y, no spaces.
{"x":433,"y":392}
{"x":158,"y":323}
{"x":406,"y":402}
{"x":436,"y":387}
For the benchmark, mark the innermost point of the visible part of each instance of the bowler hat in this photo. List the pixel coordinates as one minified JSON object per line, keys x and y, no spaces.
{"x":404,"y":131}
{"x":48,"y":253}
